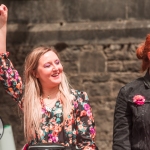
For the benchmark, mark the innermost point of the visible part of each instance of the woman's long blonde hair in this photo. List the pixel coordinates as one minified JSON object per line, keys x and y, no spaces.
{"x":33,"y":91}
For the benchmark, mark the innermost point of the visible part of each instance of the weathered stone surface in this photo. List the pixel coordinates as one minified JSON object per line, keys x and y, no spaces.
{"x":70,"y":67}
{"x":126,"y":77}
{"x":116,"y":86}
{"x":133,"y":66}
{"x":78,"y":34}
{"x":138,"y":10}
{"x":130,"y":51}
{"x":69,"y":55}
{"x":71,"y":11}
{"x":95,"y":78}
{"x":115,"y":47}
{"x":76,"y":82}
{"x":92,"y":62}
{"x":114,"y":53}
{"x":122,"y":52}
{"x":88,"y":47}
{"x":97,"y":89}
{"x":114,"y":66}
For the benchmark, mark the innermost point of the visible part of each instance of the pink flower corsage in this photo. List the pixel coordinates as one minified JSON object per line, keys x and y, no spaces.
{"x":139,"y":99}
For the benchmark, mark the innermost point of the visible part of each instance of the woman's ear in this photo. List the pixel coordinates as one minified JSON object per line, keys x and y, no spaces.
{"x":34,"y":74}
{"x":148,"y":55}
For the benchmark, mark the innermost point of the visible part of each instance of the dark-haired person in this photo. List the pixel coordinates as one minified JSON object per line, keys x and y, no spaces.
{"x":132,"y":112}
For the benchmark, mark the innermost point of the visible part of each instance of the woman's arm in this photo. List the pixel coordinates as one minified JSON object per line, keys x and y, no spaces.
{"x":122,"y":123}
{"x":9,"y":76}
{"x":3,"y":27}
{"x":85,"y":123}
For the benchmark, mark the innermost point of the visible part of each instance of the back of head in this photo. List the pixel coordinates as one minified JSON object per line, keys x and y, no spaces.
{"x":142,"y":53}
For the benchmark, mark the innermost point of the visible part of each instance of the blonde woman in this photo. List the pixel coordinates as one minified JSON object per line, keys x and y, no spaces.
{"x":53,"y":113}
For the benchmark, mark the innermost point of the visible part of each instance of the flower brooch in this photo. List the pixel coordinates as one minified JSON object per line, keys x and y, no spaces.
{"x":139,"y":99}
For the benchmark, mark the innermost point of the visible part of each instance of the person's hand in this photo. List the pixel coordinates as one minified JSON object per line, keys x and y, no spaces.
{"x":3,"y":15}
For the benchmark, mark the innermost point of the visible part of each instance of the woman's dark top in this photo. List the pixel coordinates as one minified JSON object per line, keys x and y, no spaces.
{"x":132,"y":116}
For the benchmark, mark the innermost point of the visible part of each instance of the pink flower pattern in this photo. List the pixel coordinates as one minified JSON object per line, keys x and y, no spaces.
{"x":86,"y":106}
{"x":139,"y":99}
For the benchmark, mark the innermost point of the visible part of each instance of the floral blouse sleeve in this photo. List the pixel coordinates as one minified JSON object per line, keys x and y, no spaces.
{"x":85,"y":123}
{"x":10,"y":78}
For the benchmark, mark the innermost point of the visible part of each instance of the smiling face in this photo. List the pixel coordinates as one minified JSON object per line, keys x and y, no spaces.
{"x":49,"y":70}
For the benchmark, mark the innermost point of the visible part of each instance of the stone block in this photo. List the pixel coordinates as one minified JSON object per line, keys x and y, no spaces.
{"x":64,"y":10}
{"x":124,"y":52}
{"x":133,"y":66}
{"x":126,"y":77}
{"x":76,"y":82}
{"x":92,"y":62}
{"x":87,"y":47}
{"x":75,"y":11}
{"x":138,"y":9}
{"x":69,"y":55}
{"x":114,"y":54}
{"x":98,"y":89}
{"x":95,"y":78}
{"x":114,"y":47}
{"x":114,"y":66}
{"x":70,"y":68}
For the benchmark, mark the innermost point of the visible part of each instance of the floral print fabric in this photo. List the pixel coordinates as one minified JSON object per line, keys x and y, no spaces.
{"x":77,"y":130}
{"x":10,"y":78}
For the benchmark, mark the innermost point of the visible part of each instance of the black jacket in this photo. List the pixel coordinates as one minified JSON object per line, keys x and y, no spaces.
{"x":131,"y":121}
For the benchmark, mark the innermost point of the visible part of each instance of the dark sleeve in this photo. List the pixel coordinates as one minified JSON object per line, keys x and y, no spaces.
{"x":85,"y":124}
{"x":10,"y":78}
{"x":122,"y":122}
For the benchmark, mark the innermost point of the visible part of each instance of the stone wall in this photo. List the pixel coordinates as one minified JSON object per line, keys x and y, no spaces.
{"x":96,"y":41}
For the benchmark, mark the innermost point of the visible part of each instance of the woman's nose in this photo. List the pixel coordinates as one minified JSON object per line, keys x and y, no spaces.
{"x":55,"y":67}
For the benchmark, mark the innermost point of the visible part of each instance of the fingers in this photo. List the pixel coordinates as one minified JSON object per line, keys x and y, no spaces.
{"x":3,"y":9}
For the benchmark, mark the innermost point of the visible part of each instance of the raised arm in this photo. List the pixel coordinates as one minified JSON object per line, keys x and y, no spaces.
{"x":3,"y":27}
{"x":9,"y":76}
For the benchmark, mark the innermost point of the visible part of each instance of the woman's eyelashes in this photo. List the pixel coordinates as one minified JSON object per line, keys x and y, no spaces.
{"x":57,"y":62}
{"x":47,"y":65}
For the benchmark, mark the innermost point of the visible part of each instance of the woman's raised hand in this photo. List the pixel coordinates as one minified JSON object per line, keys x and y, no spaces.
{"x":3,"y":27}
{"x":3,"y":15}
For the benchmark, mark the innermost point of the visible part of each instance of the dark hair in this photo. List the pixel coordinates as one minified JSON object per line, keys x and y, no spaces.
{"x":142,"y":53}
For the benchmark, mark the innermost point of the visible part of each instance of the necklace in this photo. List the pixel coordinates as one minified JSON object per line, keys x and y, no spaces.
{"x":49,"y":104}
{"x":49,"y":97}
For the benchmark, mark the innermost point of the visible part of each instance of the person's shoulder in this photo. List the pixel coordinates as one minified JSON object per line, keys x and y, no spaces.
{"x":79,"y":94}
{"x":132,"y":86}
{"x":135,"y":83}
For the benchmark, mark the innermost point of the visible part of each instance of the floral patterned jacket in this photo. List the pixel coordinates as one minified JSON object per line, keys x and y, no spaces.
{"x":78,"y":129}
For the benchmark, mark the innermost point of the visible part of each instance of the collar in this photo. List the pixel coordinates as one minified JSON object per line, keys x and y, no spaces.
{"x":147,"y":79}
